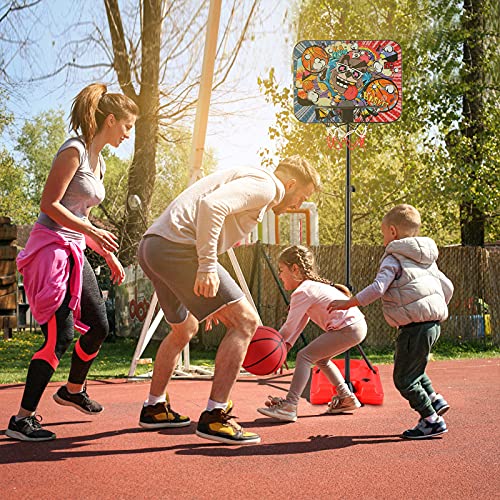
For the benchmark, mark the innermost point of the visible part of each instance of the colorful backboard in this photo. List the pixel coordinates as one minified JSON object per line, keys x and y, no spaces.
{"x":340,"y":81}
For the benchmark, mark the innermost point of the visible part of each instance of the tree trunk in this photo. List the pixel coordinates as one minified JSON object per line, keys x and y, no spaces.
{"x":472,"y":222}
{"x":472,"y":218}
{"x":143,"y":169}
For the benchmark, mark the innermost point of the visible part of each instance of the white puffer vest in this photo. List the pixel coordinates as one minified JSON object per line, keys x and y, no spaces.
{"x":416,"y":296}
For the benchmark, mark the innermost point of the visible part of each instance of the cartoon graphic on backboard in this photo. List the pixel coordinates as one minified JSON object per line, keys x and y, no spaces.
{"x":347,"y":81}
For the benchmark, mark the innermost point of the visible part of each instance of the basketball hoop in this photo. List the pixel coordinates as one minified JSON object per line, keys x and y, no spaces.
{"x":340,"y":134}
{"x":346,"y":85}
{"x":347,"y":125}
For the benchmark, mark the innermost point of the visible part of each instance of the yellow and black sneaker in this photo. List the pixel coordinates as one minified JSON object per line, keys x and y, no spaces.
{"x":219,"y":425}
{"x":161,"y":415}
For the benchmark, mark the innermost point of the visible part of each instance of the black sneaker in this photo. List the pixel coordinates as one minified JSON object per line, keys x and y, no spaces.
{"x":219,"y":425}
{"x":440,"y":405}
{"x":80,"y":401}
{"x":424,"y":429}
{"x":161,"y":415}
{"x":28,"y":429}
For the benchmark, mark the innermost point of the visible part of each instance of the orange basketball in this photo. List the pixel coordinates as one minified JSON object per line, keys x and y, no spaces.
{"x":266,"y":352}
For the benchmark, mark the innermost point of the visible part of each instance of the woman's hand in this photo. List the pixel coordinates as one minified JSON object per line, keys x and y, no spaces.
{"x":117,"y":271}
{"x":106,"y":242}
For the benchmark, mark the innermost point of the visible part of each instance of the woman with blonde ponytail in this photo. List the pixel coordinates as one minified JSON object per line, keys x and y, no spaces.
{"x":309,"y":301}
{"x":60,"y":284}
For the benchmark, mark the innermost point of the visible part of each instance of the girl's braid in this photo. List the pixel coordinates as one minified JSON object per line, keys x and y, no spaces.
{"x":304,"y":258}
{"x":306,"y":263}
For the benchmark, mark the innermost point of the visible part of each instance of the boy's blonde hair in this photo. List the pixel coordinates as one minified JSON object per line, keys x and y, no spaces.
{"x":300,"y":169}
{"x":404,"y":218}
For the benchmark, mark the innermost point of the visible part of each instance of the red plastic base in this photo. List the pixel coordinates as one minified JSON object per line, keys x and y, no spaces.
{"x":367,"y":385}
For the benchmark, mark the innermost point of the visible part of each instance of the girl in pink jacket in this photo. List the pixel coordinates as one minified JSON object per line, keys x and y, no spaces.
{"x":343,"y":329}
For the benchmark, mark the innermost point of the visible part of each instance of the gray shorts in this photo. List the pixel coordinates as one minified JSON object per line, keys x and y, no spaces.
{"x":172,"y":269}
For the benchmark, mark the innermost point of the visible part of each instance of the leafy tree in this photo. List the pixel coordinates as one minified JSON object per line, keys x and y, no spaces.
{"x":462,"y":63}
{"x":389,"y":170}
{"x":173,"y":168}
{"x":38,"y":142}
{"x":13,"y":201}
{"x":154,"y":49}
{"x":403,"y":161}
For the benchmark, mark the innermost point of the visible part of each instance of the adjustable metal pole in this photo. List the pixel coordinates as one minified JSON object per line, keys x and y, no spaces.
{"x":348,"y":226}
{"x":348,"y":237}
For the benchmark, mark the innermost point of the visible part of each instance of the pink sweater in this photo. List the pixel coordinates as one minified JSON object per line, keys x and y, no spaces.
{"x":309,"y":301}
{"x":44,"y":264}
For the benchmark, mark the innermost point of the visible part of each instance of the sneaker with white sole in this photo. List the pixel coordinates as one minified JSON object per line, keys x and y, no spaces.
{"x":425,"y":429}
{"x":279,"y":408}
{"x":80,"y":400}
{"x":28,"y":429}
{"x":220,"y":425}
{"x":440,"y":405}
{"x":161,"y":416}
{"x":340,"y":404}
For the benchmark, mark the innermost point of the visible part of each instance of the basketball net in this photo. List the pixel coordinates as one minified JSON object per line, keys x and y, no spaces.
{"x":337,"y":135}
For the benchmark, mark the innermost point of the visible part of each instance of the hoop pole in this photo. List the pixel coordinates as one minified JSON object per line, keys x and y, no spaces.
{"x":348,"y":238}
{"x":348,"y":225}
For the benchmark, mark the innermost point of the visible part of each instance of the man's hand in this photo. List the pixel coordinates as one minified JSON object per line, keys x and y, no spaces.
{"x":206,"y":284}
{"x":341,"y":304}
{"x":211,"y":321}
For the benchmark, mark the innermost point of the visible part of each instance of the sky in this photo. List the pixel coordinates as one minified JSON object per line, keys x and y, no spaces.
{"x":237,"y":136}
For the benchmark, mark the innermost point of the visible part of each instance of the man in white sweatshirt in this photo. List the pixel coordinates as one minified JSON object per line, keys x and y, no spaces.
{"x":179,"y":254}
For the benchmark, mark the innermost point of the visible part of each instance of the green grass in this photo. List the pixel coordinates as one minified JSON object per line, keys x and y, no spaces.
{"x":114,"y":359}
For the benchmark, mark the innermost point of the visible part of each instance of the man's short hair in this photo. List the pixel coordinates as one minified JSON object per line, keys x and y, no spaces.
{"x":403,"y":217}
{"x":299,"y":168}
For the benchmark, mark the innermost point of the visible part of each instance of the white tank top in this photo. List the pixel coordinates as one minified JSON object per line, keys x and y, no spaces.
{"x":84,"y":191}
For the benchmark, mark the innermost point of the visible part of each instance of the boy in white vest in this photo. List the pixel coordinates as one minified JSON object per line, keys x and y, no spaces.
{"x":415,"y":294}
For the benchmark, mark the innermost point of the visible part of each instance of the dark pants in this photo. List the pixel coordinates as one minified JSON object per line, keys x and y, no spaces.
{"x":59,"y":333}
{"x":413,"y":346}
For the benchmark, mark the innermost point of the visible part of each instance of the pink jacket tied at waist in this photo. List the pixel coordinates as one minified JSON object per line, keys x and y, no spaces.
{"x":44,"y":264}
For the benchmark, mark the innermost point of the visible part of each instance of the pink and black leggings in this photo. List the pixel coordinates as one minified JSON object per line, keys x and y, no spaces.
{"x":59,"y":333}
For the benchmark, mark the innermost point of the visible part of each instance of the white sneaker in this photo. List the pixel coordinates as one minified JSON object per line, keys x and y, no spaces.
{"x":341,"y":404}
{"x":279,"y":408}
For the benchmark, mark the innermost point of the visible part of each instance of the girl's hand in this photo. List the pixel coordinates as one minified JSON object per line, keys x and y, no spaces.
{"x":106,"y":241}
{"x":117,"y":271}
